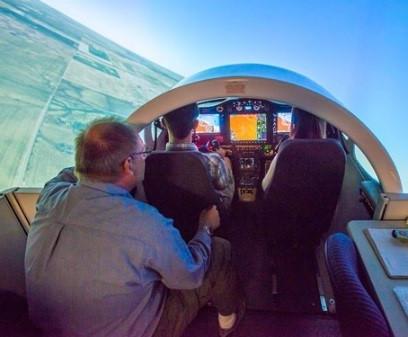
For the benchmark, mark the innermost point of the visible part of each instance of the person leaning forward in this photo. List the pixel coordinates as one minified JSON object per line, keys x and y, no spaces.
{"x":101,"y":263}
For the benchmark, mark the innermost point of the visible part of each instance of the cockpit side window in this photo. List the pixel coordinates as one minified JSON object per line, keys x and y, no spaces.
{"x":364,"y":165}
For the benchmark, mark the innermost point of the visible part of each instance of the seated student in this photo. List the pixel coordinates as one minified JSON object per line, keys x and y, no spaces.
{"x":180,"y":125}
{"x":100,"y":263}
{"x":304,"y":126}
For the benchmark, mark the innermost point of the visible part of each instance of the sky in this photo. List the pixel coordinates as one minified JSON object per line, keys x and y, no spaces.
{"x":357,"y":50}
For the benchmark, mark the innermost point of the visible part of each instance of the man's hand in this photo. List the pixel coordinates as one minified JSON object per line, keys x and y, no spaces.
{"x":209,"y":217}
{"x":223,"y":152}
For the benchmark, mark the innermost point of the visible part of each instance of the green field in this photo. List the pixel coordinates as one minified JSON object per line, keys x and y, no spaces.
{"x":55,"y":76}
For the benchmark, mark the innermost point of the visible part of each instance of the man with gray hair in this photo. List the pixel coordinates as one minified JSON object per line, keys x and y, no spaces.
{"x":101,"y":263}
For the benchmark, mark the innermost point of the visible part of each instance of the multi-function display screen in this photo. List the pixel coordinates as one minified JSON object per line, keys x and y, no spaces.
{"x":283,"y":122}
{"x":248,"y":127}
{"x":208,"y":123}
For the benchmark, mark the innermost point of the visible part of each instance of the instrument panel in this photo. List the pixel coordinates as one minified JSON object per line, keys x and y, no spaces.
{"x":251,"y":129}
{"x":244,"y":121}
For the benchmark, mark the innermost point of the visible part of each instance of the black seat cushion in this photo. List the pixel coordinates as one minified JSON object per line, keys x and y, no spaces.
{"x":301,"y":198}
{"x":14,"y":320}
{"x":357,"y":312}
{"x":178,"y":184}
{"x":13,"y":307}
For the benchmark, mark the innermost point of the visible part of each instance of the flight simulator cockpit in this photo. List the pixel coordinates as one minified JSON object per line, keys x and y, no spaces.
{"x":251,"y":129}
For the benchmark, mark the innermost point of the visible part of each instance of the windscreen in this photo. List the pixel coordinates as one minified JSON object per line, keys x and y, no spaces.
{"x":208,"y":123}
{"x":248,"y":127}
{"x":283,"y":122}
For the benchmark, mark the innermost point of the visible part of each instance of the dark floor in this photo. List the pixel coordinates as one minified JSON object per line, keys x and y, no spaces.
{"x":295,"y":311}
{"x":267,"y":324}
{"x":260,"y":266}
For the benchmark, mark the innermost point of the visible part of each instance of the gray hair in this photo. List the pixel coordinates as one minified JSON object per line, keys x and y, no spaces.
{"x":101,"y":149}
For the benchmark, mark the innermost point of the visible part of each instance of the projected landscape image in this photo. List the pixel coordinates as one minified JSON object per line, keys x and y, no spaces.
{"x":55,"y":76}
{"x":208,"y":123}
{"x":284,"y":122}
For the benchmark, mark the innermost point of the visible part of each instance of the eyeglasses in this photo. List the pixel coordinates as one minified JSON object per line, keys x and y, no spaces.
{"x":144,"y":154}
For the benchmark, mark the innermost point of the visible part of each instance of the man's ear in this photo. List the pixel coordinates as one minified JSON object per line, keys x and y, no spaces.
{"x":127,"y":166}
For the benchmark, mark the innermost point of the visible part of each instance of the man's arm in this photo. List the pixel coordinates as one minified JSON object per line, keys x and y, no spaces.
{"x":222,"y":179}
{"x":55,"y":187}
{"x":181,"y":265}
{"x":220,"y":172}
{"x":266,"y":181}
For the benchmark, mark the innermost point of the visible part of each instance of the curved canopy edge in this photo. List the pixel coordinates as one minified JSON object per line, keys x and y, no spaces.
{"x":286,"y":87}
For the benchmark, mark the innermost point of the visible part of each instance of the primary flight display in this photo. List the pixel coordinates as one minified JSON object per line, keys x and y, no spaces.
{"x":248,"y":127}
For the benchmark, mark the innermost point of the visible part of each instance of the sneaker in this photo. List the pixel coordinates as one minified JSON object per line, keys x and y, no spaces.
{"x":240,"y":315}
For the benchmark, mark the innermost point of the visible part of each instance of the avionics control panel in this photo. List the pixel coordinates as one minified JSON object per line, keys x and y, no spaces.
{"x":244,"y":121}
{"x":250,"y":129}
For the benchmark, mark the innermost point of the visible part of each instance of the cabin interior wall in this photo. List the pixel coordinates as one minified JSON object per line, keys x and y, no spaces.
{"x":12,"y":249}
{"x":349,"y":206}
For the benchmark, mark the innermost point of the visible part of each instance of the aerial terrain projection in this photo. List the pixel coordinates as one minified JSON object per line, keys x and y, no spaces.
{"x":284,"y":122}
{"x":208,"y":123}
{"x":55,"y":76}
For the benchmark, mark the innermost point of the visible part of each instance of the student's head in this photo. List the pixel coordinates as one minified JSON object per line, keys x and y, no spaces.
{"x":305,"y":125}
{"x":107,"y":151}
{"x":181,"y":121}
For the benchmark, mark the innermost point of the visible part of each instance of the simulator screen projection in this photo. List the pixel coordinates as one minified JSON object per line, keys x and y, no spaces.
{"x":208,"y":123}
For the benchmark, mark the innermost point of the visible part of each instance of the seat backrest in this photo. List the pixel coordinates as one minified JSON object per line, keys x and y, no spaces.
{"x":178,"y":184}
{"x":12,"y":249}
{"x":357,"y":312}
{"x":301,"y":198}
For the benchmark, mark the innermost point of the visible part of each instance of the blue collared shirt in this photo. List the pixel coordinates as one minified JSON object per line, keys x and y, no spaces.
{"x":99,"y":263}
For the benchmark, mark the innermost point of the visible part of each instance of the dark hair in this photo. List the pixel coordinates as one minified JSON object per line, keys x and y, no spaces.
{"x":306,"y":125}
{"x":181,"y":121}
{"x":102,"y":148}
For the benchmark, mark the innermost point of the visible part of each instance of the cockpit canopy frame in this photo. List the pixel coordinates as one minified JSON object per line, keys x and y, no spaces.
{"x":277,"y":84}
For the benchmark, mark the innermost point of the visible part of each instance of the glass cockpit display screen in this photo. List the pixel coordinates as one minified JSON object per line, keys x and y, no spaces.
{"x":283,"y":122}
{"x":248,"y":127}
{"x":208,"y":123}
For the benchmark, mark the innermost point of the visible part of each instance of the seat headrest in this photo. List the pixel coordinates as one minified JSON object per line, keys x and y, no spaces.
{"x":182,"y":170}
